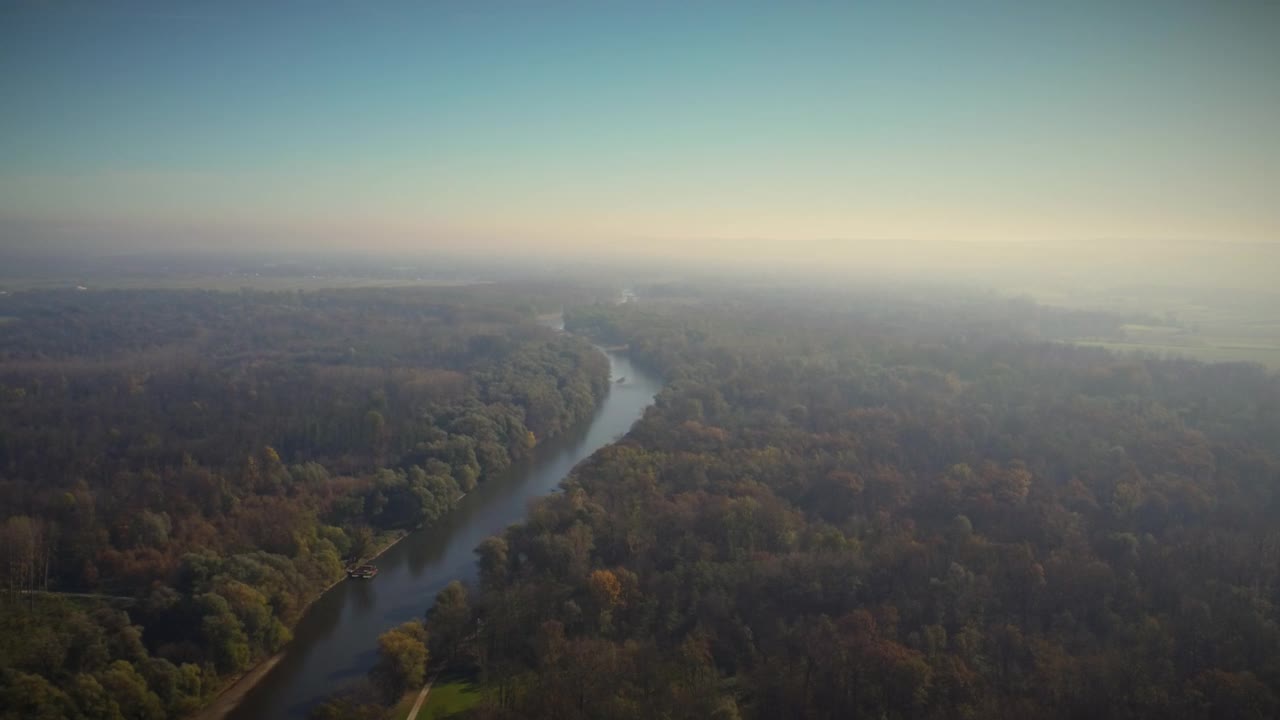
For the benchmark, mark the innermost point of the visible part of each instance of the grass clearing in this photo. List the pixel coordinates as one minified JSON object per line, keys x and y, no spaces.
{"x":1225,"y":325}
{"x":1151,"y":331}
{"x":1262,"y":355}
{"x":450,"y":696}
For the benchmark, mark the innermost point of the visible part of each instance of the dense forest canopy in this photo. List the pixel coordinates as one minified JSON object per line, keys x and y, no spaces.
{"x":895,"y":509}
{"x":844,"y":504}
{"x":182,"y":471}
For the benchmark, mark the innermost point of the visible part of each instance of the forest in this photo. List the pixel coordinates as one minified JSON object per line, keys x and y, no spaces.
{"x":855,"y":503}
{"x":183,"y":471}
{"x":890,"y":509}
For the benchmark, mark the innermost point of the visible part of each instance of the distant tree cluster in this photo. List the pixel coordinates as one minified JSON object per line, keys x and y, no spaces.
{"x":182,"y":472}
{"x":842,"y":513}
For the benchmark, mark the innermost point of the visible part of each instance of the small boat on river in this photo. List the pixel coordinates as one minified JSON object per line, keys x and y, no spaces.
{"x":362,"y":572}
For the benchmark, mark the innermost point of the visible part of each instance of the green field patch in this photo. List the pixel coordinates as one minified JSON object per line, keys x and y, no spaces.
{"x":1133,"y":330}
{"x":451,"y":694}
{"x":1267,"y":356}
{"x":450,"y":697}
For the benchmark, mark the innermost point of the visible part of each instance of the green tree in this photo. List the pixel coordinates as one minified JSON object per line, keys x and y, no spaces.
{"x":402,"y":659}
{"x":129,"y":690}
{"x":224,"y":635}
{"x":493,"y":557}
{"x":92,"y":700}
{"x":449,"y":623}
{"x":24,"y":696}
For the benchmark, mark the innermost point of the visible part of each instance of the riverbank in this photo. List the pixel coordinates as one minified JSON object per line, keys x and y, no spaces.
{"x":332,"y":642}
{"x":230,"y":696}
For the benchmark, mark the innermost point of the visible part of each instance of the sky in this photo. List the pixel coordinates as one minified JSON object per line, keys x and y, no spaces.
{"x":680,"y":127}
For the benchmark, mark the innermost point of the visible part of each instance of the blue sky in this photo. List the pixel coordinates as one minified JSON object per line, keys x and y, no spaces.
{"x":557,"y":124}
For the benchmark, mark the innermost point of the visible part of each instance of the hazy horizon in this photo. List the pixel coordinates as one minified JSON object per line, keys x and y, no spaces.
{"x":674,"y":131}
{"x":684,"y":359}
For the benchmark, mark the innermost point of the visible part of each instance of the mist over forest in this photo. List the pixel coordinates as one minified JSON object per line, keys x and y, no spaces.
{"x":601,"y":361}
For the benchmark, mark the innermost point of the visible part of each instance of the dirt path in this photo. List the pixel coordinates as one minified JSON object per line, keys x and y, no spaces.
{"x":228,"y":699}
{"x":422,"y":697}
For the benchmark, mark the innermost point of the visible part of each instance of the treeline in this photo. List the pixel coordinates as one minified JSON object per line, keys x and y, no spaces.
{"x":182,"y":472}
{"x":833,"y":513}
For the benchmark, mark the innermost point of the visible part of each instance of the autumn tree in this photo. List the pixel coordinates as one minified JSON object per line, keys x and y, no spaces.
{"x":402,"y":659}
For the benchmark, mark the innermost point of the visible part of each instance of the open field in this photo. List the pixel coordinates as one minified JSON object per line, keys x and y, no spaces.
{"x":1203,"y":343}
{"x":1267,"y":356}
{"x":1203,"y":324}
{"x":448,"y":698}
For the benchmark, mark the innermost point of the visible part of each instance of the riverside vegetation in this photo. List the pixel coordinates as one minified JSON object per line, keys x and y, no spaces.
{"x":183,"y":471}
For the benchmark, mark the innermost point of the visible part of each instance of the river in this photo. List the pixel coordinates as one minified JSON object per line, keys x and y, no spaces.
{"x":336,"y":640}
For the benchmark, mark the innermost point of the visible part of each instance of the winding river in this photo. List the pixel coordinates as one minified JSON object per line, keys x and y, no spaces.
{"x":336,"y":639}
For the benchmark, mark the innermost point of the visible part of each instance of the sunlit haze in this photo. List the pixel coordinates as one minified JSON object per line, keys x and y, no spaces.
{"x":672,"y":128}
{"x":696,"y":360}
